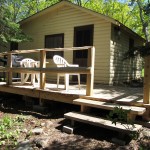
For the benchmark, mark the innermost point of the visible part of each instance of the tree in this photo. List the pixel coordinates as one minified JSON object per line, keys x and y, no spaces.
{"x":9,"y":29}
{"x":144,"y":13}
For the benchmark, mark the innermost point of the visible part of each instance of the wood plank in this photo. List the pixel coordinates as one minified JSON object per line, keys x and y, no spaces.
{"x":29,"y":90}
{"x":146,"y":98}
{"x":109,"y":106}
{"x":46,"y":49}
{"x":57,"y":96}
{"x":42,"y":65}
{"x":20,"y":90}
{"x":90,"y":77}
{"x":9,"y":65}
{"x":96,"y":98}
{"x":73,"y":70}
{"x":97,"y":121}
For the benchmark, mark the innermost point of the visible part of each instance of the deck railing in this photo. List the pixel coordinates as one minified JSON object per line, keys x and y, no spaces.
{"x":89,"y":70}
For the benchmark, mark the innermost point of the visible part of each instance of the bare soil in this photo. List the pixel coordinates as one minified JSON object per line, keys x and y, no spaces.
{"x":86,"y":137}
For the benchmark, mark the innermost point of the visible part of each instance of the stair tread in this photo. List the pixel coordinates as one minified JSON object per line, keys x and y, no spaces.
{"x":97,"y":121}
{"x":109,"y":106}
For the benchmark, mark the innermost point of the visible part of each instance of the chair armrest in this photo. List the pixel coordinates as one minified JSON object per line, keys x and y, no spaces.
{"x":73,"y":65}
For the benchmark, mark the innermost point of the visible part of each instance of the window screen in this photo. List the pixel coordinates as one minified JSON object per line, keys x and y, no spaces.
{"x":54,"y":41}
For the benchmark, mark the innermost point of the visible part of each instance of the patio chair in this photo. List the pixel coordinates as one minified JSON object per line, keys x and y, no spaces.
{"x":29,"y":63}
{"x":61,"y":62}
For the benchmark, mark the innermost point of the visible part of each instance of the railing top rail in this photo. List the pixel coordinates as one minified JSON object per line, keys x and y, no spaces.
{"x":45,"y":49}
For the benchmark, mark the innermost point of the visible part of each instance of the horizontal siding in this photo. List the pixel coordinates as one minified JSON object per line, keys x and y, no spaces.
{"x":122,"y":70}
{"x":63,"y":21}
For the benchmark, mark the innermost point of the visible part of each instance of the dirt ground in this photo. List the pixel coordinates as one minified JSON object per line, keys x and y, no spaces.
{"x":51,"y":121}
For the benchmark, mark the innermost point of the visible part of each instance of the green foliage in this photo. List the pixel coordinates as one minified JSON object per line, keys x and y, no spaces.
{"x":9,"y":30}
{"x":142,"y":74}
{"x":8,"y":136}
{"x":131,"y":13}
{"x":120,"y":115}
{"x":141,"y":51}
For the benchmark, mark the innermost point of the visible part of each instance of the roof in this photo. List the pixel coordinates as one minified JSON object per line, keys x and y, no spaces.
{"x":67,"y":3}
{"x":86,"y":10}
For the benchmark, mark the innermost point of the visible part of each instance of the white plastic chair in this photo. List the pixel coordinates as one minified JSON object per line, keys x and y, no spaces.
{"x":61,"y":62}
{"x":29,"y":63}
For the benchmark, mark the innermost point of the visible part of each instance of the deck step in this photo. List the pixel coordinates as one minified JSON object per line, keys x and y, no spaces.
{"x":100,"y":122}
{"x":109,"y":106}
{"x":96,"y":98}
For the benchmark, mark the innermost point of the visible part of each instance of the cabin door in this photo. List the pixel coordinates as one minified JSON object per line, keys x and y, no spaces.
{"x":83,"y":36}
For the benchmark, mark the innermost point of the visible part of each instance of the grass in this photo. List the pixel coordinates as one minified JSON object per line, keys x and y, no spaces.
{"x":10,"y":130}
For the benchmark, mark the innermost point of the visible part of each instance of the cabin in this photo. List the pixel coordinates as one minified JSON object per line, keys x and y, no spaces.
{"x":68,"y":25}
{"x":71,"y":31}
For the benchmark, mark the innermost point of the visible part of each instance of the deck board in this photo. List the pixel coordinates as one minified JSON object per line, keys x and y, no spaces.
{"x":109,"y":106}
{"x":101,"y":122}
{"x":101,"y":92}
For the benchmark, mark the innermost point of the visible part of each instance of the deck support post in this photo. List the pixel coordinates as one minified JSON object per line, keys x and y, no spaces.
{"x":131,"y":117}
{"x":42,"y":65}
{"x":85,"y":108}
{"x":9,"y":73}
{"x":42,"y":75}
{"x":40,"y":102}
{"x":146,"y":97}
{"x":90,"y":77}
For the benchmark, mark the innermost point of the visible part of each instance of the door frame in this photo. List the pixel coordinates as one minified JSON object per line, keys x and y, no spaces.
{"x":83,"y":28}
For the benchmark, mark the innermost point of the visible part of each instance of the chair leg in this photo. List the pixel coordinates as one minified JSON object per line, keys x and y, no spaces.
{"x":24,"y":77}
{"x":57,"y":81}
{"x":79,"y":81}
{"x":66,"y":82}
{"x":37,"y":75}
{"x":33,"y":79}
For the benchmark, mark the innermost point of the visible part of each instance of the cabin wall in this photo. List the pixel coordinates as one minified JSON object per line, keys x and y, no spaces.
{"x":64,"y":20}
{"x":123,"y":70}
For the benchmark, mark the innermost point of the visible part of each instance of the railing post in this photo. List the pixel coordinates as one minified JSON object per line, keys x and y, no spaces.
{"x":146,"y":99}
{"x":42,"y":65}
{"x":9,"y":73}
{"x":90,"y":77}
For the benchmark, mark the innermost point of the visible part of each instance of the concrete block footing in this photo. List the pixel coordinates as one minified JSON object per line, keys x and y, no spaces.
{"x":68,"y":129}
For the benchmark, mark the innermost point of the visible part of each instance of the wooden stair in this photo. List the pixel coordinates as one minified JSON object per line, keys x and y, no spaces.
{"x":85,"y":117}
{"x":109,"y":106}
{"x":100,"y":122}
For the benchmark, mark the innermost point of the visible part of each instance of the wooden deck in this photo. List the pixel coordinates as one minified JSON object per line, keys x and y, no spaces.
{"x":113,"y":94}
{"x":125,"y":97}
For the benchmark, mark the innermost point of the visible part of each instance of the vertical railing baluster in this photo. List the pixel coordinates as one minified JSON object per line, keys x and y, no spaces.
{"x":42,"y":65}
{"x":9,"y":73}
{"x":90,"y":77}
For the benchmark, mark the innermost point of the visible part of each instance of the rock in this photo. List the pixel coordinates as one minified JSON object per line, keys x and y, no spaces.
{"x":24,"y":130}
{"x":24,"y":145}
{"x":48,"y":123}
{"x":41,"y":142}
{"x":146,"y":133}
{"x":33,"y":122}
{"x":118,"y":141}
{"x":42,"y":124}
{"x":37,"y":131}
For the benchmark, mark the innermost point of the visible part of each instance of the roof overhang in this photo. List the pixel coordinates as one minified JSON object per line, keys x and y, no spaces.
{"x":67,"y":3}
{"x":64,"y":3}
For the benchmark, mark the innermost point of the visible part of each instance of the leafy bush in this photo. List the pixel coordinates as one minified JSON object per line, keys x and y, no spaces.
{"x":120,"y":115}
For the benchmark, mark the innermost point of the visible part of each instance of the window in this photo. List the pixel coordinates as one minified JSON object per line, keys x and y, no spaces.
{"x":131,"y":43}
{"x":13,"y":46}
{"x":54,"y":41}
